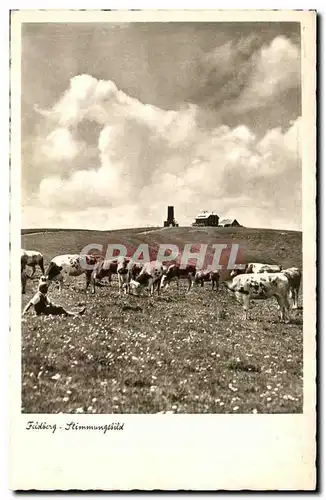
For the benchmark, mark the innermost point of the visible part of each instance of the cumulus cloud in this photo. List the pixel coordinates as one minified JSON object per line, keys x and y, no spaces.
{"x":248,"y":74}
{"x":148,"y":158}
{"x":275,"y":70}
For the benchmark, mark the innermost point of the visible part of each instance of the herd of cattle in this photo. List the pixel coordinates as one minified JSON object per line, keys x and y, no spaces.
{"x":255,"y":281}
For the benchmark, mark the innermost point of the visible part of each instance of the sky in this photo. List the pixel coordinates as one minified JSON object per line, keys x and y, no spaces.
{"x":121,"y":120}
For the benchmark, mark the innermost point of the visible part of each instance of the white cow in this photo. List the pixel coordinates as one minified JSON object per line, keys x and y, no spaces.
{"x":150,"y":275}
{"x":256,"y":267}
{"x":261,"y":286}
{"x":70,"y":265}
{"x":294,"y":276}
{"x":32,"y":259}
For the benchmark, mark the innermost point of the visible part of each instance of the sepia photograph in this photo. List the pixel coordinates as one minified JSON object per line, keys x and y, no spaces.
{"x":162,"y":214}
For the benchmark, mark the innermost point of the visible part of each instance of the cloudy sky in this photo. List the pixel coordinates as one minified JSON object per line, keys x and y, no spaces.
{"x":121,"y":120}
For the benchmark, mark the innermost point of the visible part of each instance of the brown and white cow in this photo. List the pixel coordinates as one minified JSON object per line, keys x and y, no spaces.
{"x":106,"y":268}
{"x":294,"y":276}
{"x":261,"y":286}
{"x":205,"y":275}
{"x":133,"y":270}
{"x":32,"y":259}
{"x":175,"y":271}
{"x":150,"y":275}
{"x":70,"y":265}
{"x":256,"y":267}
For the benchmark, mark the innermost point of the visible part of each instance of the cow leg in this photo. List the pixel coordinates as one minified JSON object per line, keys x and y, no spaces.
{"x":41,"y":264}
{"x":93,"y":281}
{"x":283,"y":303}
{"x":23,"y":280}
{"x":295,"y":304}
{"x":120,"y":283}
{"x":246,"y":306}
{"x":33,"y":270}
{"x":59,"y":280}
{"x":287,"y":317}
{"x":150,"y":287}
{"x":190,"y":282}
{"x":88,"y":275}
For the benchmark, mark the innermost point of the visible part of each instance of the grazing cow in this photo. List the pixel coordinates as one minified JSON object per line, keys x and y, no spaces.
{"x":212,"y":276}
{"x":33,"y":259}
{"x":255,"y":267}
{"x":150,"y":275}
{"x":70,"y":265}
{"x":294,"y":276}
{"x":105,"y":269}
{"x":261,"y":286}
{"x":175,"y":271}
{"x":133,"y":270}
{"x":123,"y":273}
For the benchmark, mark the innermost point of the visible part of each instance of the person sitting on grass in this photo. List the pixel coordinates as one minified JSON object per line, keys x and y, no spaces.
{"x":42,"y":304}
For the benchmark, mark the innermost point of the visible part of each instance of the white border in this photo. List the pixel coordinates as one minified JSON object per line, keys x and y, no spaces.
{"x":234,"y":445}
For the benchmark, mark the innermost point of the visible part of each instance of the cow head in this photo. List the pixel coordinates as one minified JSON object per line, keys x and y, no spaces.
{"x":134,"y":287}
{"x":43,"y":284}
{"x":235,"y":272}
{"x":53,"y":271}
{"x":122,"y":266}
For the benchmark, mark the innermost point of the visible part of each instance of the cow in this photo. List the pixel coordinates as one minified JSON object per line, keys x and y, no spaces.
{"x":150,"y":275}
{"x":106,"y":268}
{"x":261,"y":286}
{"x":212,"y":276}
{"x":123,"y":273}
{"x":255,"y":267}
{"x":133,"y":270}
{"x":33,"y":259}
{"x":294,"y":276}
{"x":70,"y":265}
{"x":175,"y":271}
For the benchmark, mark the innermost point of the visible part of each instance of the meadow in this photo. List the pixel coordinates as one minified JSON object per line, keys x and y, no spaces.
{"x":180,"y":353}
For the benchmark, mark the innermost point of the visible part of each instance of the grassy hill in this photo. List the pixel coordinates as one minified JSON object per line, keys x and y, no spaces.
{"x":257,"y":245}
{"x":183,"y":353}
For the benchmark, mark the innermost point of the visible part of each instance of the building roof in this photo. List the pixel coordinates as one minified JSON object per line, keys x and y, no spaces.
{"x":205,"y":215}
{"x":227,"y":221}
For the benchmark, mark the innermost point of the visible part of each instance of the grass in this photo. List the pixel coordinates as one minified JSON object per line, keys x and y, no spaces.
{"x":185,"y":353}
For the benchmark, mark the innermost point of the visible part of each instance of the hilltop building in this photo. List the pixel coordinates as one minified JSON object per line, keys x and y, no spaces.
{"x":170,"y":218}
{"x":206,"y":219}
{"x":230,"y":223}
